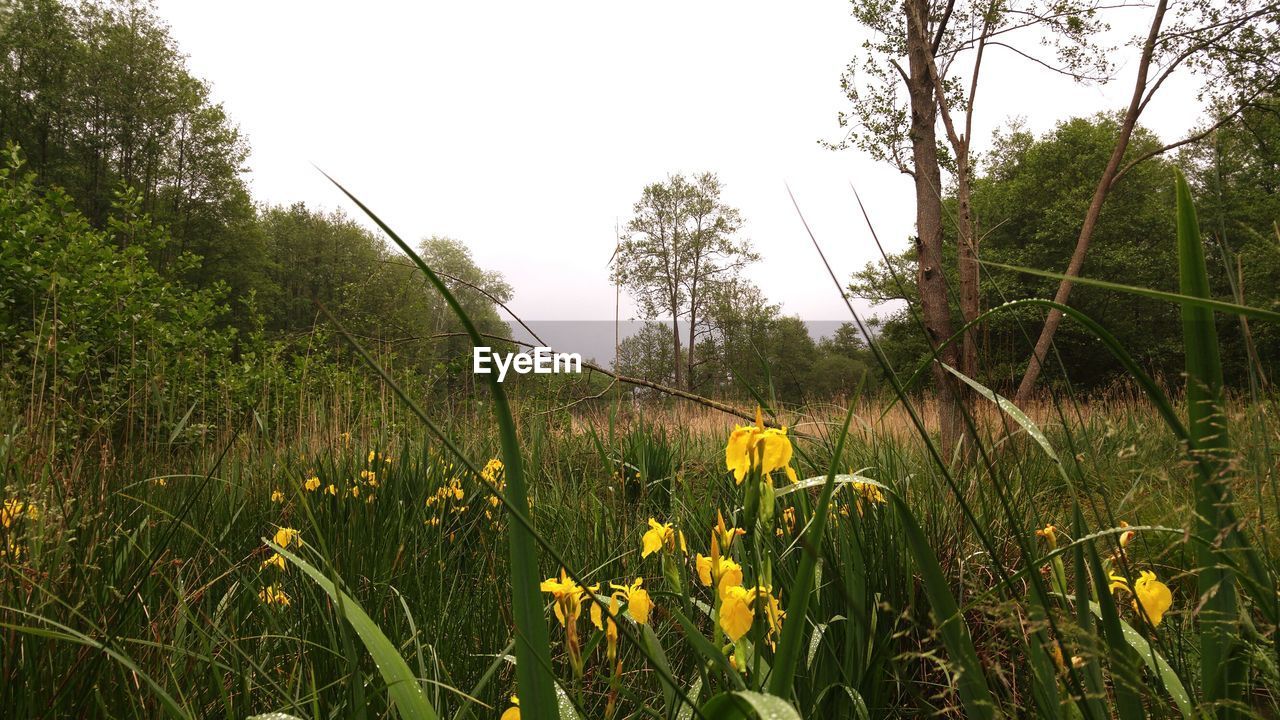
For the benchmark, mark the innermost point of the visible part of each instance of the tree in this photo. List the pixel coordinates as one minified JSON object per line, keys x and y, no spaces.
{"x":1033,"y":192}
{"x":679,"y":247}
{"x":1233,"y":45}
{"x":930,"y":37}
{"x":100,"y":98}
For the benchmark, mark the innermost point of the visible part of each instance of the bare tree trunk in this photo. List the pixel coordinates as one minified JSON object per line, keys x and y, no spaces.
{"x":693,"y":324}
{"x":967,"y":266}
{"x":675,"y":349}
{"x":930,"y":277}
{"x":1051,"y":323}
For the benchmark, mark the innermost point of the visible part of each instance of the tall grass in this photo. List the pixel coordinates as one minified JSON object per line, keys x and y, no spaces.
{"x":911,"y":585}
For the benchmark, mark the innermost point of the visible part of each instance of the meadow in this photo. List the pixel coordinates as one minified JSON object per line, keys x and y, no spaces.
{"x":1101,"y":556}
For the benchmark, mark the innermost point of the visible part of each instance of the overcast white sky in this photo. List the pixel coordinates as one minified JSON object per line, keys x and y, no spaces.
{"x":527,"y":129}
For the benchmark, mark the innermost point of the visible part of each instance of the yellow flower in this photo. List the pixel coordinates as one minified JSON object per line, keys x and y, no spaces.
{"x":370,"y":477}
{"x":331,"y":489}
{"x":373,"y":455}
{"x":639,"y":604}
{"x":770,"y":446}
{"x":493,"y":471}
{"x":276,"y":559}
{"x":286,"y":535}
{"x":597,"y":617}
{"x":867,"y":493}
{"x":662,"y":536}
{"x":11,"y":550}
{"x":773,"y":612}
{"x":1150,"y":596}
{"x":162,"y":482}
{"x":277,"y":496}
{"x":1127,"y":536}
{"x":568,"y":597}
{"x":1050,"y":535}
{"x":355,"y":491}
{"x":273,"y":596}
{"x":513,"y":712}
{"x":737,"y":611}
{"x":726,"y":535}
{"x":312,"y":484}
{"x":789,"y":519}
{"x":14,"y":509}
{"x":728,"y":574}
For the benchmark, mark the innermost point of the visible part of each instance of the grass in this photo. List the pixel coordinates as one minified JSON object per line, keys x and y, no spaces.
{"x":200,"y":631}
{"x":1032,"y":579}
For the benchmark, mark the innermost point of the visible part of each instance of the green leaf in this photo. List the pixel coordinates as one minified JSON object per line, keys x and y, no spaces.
{"x":841,"y":479}
{"x":708,"y":651}
{"x":1156,"y":663}
{"x":1120,"y":657}
{"x":1221,"y":664}
{"x":748,"y":705}
{"x":787,"y":658}
{"x":659,"y":656}
{"x":1185,"y":299}
{"x":1015,"y":412}
{"x":536,"y":683}
{"x":971,"y":682}
{"x":403,"y":687}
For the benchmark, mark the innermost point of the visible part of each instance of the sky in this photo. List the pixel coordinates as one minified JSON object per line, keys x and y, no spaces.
{"x":528,"y":130}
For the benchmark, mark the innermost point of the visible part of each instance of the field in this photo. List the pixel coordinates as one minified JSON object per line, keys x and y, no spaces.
{"x":351,"y":560}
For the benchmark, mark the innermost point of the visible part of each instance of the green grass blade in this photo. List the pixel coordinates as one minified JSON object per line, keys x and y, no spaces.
{"x":709,"y":652}
{"x":748,"y":705}
{"x":971,"y":683}
{"x":787,"y":658}
{"x":403,"y":687}
{"x":659,"y":655}
{"x":1221,"y":664}
{"x":533,"y":651}
{"x":67,"y":634}
{"x":1121,"y":657}
{"x":1184,"y":298}
{"x":1156,"y":664}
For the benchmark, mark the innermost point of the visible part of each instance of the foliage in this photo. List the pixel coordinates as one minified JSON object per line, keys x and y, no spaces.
{"x":679,"y":251}
{"x":95,"y":338}
{"x":1029,"y":201}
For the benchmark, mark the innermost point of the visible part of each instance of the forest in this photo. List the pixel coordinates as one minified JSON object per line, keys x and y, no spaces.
{"x":247,"y":470}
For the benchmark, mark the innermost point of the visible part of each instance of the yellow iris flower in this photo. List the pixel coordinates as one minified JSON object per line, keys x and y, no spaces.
{"x":277,"y":496}
{"x":1127,"y":536}
{"x":568,"y":597}
{"x":513,"y":712}
{"x":13,"y":509}
{"x":639,"y":604}
{"x":770,"y":445}
{"x":274,"y":596}
{"x":661,"y":536}
{"x":286,"y":535}
{"x":331,"y":489}
{"x":726,"y":535}
{"x":1150,"y":596}
{"x":737,"y":611}
{"x":276,"y":559}
{"x":868,"y":493}
{"x":1050,"y":535}
{"x":726,"y":575}
{"x":312,"y":484}
{"x":493,"y":471}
